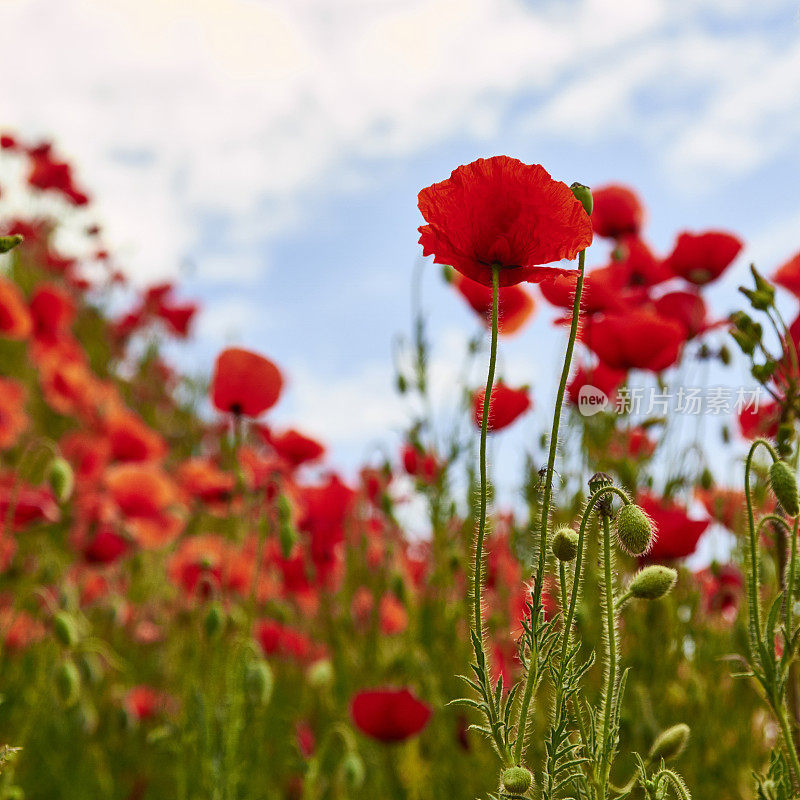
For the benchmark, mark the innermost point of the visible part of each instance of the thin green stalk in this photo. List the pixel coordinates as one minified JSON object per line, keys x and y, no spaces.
{"x":788,"y":741}
{"x":754,"y":604}
{"x":530,"y":679}
{"x":477,"y":588}
{"x":611,"y":650}
{"x":551,"y":460}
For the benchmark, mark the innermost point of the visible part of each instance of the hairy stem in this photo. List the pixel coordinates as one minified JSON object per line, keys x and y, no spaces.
{"x":609,"y":688}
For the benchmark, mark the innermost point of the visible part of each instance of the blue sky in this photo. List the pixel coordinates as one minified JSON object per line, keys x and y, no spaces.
{"x":270,"y":153}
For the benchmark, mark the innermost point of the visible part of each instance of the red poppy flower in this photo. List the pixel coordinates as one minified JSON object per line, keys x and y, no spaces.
{"x":637,"y":339}
{"x":501,"y":211}
{"x":285,"y":642}
{"x":760,"y":420}
{"x":721,"y":587}
{"x":688,"y":308}
{"x":52,"y":310}
{"x":106,"y":547}
{"x":601,"y":377}
{"x":245,"y":382}
{"x":15,"y":319}
{"x":788,"y":275}
{"x":617,"y":211}
{"x":641,"y":266}
{"x":633,"y":443}
{"x":702,"y":257}
{"x":514,"y":304}
{"x":293,"y":447}
{"x":13,"y":419}
{"x":48,"y":174}
{"x":201,"y":478}
{"x":505,"y":406}
{"x":420,"y":465}
{"x":130,"y":438}
{"x":726,"y":506}
{"x":603,"y":290}
{"x":143,"y":702}
{"x":677,"y":534}
{"x":389,"y":715}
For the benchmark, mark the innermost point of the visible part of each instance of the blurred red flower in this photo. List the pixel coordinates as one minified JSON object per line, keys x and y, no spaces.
{"x":245,"y":382}
{"x":760,"y":420}
{"x":505,"y":406}
{"x":601,"y":377}
{"x":788,"y":275}
{"x":721,"y":587}
{"x":702,"y":257}
{"x":515,"y":305}
{"x":688,"y":308}
{"x":420,"y":465}
{"x":501,"y":211}
{"x":15,"y":319}
{"x":677,"y":534}
{"x":389,"y":715}
{"x":13,"y":419}
{"x":617,"y":211}
{"x":638,"y":339}
{"x":293,"y":447}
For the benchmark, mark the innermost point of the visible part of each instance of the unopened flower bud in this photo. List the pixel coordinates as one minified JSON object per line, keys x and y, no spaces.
{"x":670,"y":743}
{"x":584,"y":194}
{"x":65,"y":629}
{"x":214,"y":621}
{"x":258,"y":682}
{"x":763,"y":372}
{"x":598,"y":481}
{"x":759,"y":300}
{"x":68,"y":683}
{"x":762,"y":284}
{"x":565,"y":544}
{"x":61,"y":478}
{"x":653,"y":582}
{"x":9,"y":242}
{"x":724,"y":355}
{"x":784,"y":487}
{"x":320,"y":674}
{"x":448,"y":273}
{"x":353,"y":771}
{"x":634,"y":530}
{"x":517,"y":780}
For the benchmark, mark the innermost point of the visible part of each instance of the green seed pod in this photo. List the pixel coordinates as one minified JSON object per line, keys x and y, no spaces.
{"x":670,"y":743}
{"x":634,"y":530}
{"x":584,"y":194}
{"x":258,"y":682}
{"x":517,"y":780}
{"x":9,"y":242}
{"x":565,"y":544}
{"x":353,"y":771}
{"x":784,"y":487}
{"x":214,"y":621}
{"x":68,"y":683}
{"x":653,"y":582}
{"x":61,"y":478}
{"x":65,"y":629}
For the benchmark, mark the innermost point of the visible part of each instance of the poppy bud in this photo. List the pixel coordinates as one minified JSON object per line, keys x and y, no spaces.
{"x":725,"y":355}
{"x":565,"y":544}
{"x":762,"y":284}
{"x":9,"y":242}
{"x":584,"y":194}
{"x":64,"y":628}
{"x":448,"y":273}
{"x":320,"y":675}
{"x":634,"y":530}
{"x":517,"y":780}
{"x":214,"y":621}
{"x":61,"y":478}
{"x":598,"y":481}
{"x":258,"y":682}
{"x":353,"y":771}
{"x":653,"y":582}
{"x":784,"y":487}
{"x":784,"y":439}
{"x":706,"y":478}
{"x":669,"y":743}
{"x":759,"y":300}
{"x":68,"y":683}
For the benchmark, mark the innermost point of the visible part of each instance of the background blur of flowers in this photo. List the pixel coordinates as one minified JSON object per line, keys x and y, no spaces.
{"x":270,"y":152}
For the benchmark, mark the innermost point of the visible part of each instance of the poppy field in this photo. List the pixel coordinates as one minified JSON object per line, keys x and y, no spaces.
{"x":196,"y":602}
